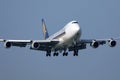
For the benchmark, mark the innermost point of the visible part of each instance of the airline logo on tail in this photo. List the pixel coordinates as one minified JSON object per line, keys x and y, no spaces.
{"x":44,"y":30}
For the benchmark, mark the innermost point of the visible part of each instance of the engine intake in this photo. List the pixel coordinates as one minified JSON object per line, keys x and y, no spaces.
{"x":7,"y":44}
{"x":112,"y":43}
{"x":35,"y":45}
{"x":94,"y":44}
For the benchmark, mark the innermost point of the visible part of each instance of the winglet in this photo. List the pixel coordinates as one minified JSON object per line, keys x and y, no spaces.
{"x":44,"y":30}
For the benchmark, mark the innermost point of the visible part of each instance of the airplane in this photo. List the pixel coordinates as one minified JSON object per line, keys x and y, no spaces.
{"x":65,"y":40}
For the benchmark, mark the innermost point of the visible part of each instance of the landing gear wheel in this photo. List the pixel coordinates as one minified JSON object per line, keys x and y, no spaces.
{"x":65,"y":54}
{"x":55,"y":54}
{"x":48,"y":54}
{"x":75,"y":53}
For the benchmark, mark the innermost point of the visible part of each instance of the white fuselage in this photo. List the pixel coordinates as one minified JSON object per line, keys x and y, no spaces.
{"x":67,"y":36}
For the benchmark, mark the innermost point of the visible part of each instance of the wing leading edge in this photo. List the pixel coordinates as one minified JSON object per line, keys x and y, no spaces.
{"x":34,"y":44}
{"x":93,"y":43}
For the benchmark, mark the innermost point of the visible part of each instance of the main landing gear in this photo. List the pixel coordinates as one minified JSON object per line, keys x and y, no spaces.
{"x":48,"y":53}
{"x":55,"y":54}
{"x":64,"y":53}
{"x":75,"y":53}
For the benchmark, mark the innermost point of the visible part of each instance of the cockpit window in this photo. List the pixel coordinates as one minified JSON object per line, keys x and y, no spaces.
{"x":75,"y":22}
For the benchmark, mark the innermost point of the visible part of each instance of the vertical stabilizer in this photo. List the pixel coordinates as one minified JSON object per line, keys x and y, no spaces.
{"x":44,"y":30}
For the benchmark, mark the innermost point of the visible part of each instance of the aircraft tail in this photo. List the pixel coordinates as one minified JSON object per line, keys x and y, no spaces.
{"x":44,"y":30}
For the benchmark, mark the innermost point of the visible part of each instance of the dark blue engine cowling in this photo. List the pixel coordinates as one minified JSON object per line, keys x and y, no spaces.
{"x":35,"y":45}
{"x":94,"y":44}
{"x":112,"y":43}
{"x":7,"y":44}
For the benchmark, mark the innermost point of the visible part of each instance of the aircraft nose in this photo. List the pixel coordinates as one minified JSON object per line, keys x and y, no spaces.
{"x":77,"y":28}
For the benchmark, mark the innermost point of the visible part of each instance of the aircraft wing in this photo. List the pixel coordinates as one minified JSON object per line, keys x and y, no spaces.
{"x":96,"y":42}
{"x":82,"y":43}
{"x":35,"y":44}
{"x":100,"y":41}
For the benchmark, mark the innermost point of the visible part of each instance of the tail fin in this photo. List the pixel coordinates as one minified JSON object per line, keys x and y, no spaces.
{"x":44,"y":30}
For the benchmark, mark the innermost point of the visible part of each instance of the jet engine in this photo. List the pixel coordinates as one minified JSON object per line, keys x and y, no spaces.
{"x":94,"y":44}
{"x":7,"y":44}
{"x":35,"y":45}
{"x":112,"y":43}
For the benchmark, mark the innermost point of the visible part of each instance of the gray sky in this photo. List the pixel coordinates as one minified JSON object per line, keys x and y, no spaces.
{"x":21,"y":19}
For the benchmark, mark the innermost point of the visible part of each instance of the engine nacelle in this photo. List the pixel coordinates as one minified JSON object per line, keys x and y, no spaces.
{"x":94,"y":44}
{"x":112,"y":43}
{"x":7,"y":44}
{"x":35,"y":45}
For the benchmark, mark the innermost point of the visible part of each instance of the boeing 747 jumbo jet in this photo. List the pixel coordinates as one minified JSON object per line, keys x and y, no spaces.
{"x":67,"y":39}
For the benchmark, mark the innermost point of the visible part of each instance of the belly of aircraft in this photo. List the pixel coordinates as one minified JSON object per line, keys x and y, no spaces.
{"x":66,"y":42}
